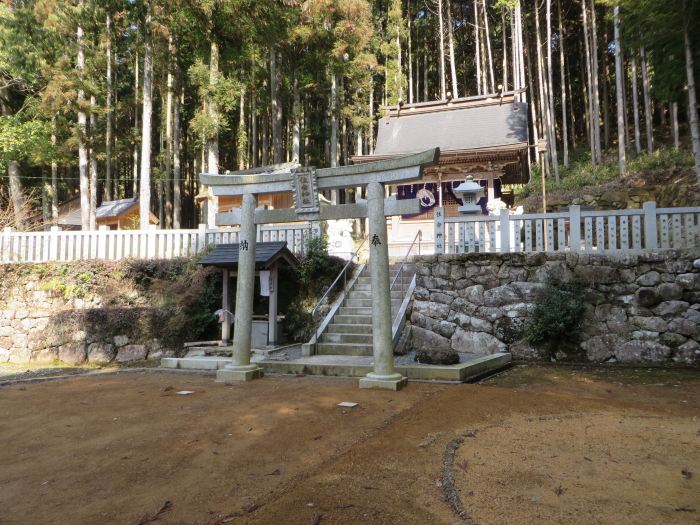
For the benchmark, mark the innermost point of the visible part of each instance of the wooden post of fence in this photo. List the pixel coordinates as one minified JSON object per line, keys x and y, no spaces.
{"x":575,"y":227}
{"x":102,"y":241}
{"x":201,"y":238}
{"x":505,"y":231}
{"x":151,"y":243}
{"x":650,"y":234}
{"x":439,"y":214}
{"x":6,"y":244}
{"x":54,"y":240}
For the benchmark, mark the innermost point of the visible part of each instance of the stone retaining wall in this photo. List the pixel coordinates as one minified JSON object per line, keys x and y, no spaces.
{"x":639,"y":308}
{"x":98,"y":312}
{"x":38,"y":328}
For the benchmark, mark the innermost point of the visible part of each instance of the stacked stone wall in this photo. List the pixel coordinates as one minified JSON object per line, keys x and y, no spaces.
{"x":639,"y":308}
{"x":99,"y":312}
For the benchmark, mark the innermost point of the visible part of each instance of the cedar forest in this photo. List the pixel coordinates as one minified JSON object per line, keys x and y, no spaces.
{"x":105,"y":99}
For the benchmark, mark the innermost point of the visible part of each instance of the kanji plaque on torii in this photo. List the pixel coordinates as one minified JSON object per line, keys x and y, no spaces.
{"x":305,"y":184}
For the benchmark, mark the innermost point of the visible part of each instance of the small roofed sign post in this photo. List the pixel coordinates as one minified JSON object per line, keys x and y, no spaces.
{"x":305,"y":183}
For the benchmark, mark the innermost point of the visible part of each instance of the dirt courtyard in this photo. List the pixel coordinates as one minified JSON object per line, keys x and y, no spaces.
{"x":535,"y":445}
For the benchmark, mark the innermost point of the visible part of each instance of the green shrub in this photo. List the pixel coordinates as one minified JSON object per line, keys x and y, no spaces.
{"x":558,"y":313}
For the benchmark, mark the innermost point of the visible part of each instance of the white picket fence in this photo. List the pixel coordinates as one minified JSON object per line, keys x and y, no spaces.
{"x":57,"y":245}
{"x":614,"y":231}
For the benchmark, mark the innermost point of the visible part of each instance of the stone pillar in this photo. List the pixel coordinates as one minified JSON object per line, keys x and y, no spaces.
{"x":226,"y":306}
{"x":384,"y":374}
{"x":240,"y":368}
{"x":272,"y":335}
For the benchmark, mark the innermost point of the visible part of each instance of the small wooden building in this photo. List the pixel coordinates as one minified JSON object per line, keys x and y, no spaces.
{"x":270,"y":257}
{"x":122,"y":214}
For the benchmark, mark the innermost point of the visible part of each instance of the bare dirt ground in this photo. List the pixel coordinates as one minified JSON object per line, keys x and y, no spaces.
{"x":549,"y":445}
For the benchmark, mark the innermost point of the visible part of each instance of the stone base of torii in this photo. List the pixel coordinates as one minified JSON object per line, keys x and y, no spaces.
{"x":305,"y":184}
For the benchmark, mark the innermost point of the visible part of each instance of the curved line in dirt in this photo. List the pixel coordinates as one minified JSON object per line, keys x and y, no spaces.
{"x":448,"y":483}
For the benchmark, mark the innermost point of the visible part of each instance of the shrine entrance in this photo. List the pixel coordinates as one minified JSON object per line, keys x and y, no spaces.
{"x":305,"y":183}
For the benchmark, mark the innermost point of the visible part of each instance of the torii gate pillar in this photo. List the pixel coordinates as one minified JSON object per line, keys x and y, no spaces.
{"x":240,"y":368}
{"x":384,"y":375}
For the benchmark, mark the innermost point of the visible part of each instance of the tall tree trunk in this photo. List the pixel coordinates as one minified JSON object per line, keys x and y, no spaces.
{"x":265,"y":153}
{"x":82,"y":135}
{"x":16,"y":195}
{"x":45,"y":199}
{"x":477,"y":45}
{"x":621,"y":146}
{"x":212,"y":107}
{"x":572,"y":114}
{"x":54,"y":177}
{"x":296,"y":114}
{"x":648,"y":115}
{"x":254,"y":128}
{"x":606,"y":94}
{"x":277,"y":153}
{"x":504,"y":65}
{"x":177,"y":172}
{"x":635,"y":107}
{"x":145,"y":186}
{"x":443,"y":90}
{"x":674,"y":125}
{"x":92,"y":153}
{"x":409,"y":18}
{"x":692,"y":102}
{"x":488,"y":48}
{"x":521,"y":49}
{"x":534,"y":152}
{"x":550,"y":96}
{"x":592,"y":122}
{"x":137,"y":111}
{"x":562,"y":78}
{"x":242,"y":138}
{"x":370,"y":133}
{"x":13,"y":169}
{"x":450,"y":39}
{"x":169,"y":103}
{"x":514,"y":57}
{"x":596,"y":91}
{"x":108,"y":112}
{"x":426,"y":96}
{"x":334,"y":120}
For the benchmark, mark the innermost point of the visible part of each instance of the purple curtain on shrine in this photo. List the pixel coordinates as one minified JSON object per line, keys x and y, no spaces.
{"x":429,"y":197}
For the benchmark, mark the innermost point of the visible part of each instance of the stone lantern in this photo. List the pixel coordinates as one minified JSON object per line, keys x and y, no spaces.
{"x":470,"y":192}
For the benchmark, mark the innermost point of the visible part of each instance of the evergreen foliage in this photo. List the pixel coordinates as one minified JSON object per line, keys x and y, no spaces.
{"x":217,"y":55}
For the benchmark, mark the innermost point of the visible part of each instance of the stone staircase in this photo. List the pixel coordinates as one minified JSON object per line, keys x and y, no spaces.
{"x":350,"y":331}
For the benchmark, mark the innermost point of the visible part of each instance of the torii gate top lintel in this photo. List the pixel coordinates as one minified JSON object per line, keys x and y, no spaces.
{"x":279,"y":177}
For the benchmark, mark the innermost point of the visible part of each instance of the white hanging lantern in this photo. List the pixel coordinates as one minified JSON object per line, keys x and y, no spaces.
{"x":470,"y":192}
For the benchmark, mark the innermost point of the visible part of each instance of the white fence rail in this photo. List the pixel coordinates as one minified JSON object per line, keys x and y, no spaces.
{"x":57,"y":245}
{"x":614,"y":231}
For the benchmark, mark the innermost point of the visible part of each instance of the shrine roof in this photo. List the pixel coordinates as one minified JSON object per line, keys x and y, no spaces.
{"x":266,"y":254}
{"x":463,"y":124}
{"x":485,"y":130}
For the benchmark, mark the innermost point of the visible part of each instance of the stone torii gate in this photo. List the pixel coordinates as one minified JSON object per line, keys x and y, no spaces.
{"x":305,"y":183}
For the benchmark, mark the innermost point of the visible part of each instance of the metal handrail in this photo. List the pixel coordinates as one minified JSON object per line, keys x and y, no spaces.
{"x":419,"y":238}
{"x":343,"y":273}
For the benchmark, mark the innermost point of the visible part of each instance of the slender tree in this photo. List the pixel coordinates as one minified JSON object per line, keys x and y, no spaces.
{"x":648,"y":116}
{"x":450,"y":39}
{"x":692,"y":100}
{"x":146,"y":119}
{"x":562,"y":81}
{"x":550,"y":96}
{"x":621,"y":139}
{"x":635,"y":107}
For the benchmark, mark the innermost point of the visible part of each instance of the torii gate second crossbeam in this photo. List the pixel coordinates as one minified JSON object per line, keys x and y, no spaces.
{"x":305,"y":184}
